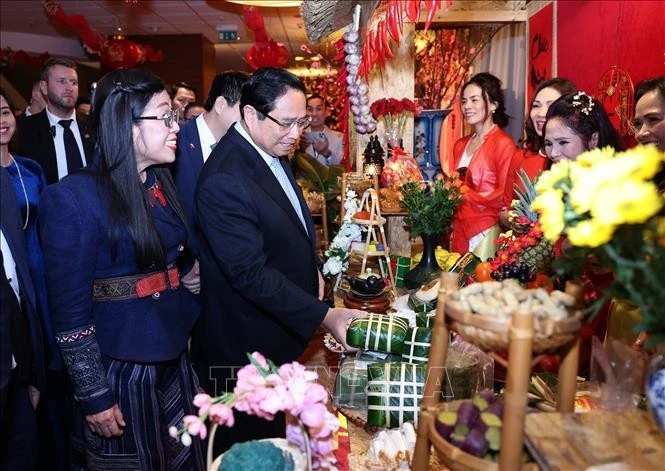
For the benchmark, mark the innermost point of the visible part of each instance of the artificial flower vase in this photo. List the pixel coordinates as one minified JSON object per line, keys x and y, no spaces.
{"x":428,"y":268}
{"x":654,"y":387}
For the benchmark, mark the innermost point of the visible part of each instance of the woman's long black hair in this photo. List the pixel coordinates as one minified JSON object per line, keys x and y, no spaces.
{"x":121,"y":96}
{"x":491,"y":87}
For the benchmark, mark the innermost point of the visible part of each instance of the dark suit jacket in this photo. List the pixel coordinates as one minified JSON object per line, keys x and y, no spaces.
{"x":258,"y":265}
{"x":36,"y":142}
{"x":188,"y":165}
{"x":10,"y":219}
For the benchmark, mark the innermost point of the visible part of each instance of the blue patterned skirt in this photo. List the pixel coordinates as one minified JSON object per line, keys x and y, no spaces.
{"x":152,"y":397}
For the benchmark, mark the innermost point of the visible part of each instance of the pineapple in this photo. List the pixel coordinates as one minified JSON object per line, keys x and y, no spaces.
{"x":540,"y":256}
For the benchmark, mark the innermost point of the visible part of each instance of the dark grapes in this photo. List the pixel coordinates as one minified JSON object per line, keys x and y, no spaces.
{"x":515,"y":269}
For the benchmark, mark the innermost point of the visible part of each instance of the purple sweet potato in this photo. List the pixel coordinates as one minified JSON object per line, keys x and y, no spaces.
{"x":445,"y":423}
{"x":475,"y":443}
{"x":496,"y":408}
{"x":467,"y":414}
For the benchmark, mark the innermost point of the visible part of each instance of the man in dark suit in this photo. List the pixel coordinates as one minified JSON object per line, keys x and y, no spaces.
{"x":198,"y":137}
{"x":261,"y":288}
{"x":22,"y":373}
{"x":56,"y":137}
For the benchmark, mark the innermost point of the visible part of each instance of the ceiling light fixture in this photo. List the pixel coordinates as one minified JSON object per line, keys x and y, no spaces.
{"x":268,"y":3}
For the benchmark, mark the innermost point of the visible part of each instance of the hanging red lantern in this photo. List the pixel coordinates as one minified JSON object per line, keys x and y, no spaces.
{"x":115,"y":53}
{"x":122,"y":53}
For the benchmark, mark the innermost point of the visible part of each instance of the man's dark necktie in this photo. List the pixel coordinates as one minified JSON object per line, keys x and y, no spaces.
{"x":74,"y":161}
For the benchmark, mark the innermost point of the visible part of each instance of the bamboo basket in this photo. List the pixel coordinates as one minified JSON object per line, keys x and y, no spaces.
{"x":457,"y":460}
{"x":301,"y":460}
{"x":452,"y":456}
{"x":492,"y":334}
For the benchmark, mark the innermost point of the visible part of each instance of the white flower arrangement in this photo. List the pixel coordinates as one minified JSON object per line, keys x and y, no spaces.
{"x":584,"y":102}
{"x":338,"y":252}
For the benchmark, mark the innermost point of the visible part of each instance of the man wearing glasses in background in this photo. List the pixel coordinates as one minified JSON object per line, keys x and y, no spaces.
{"x":261,"y":288}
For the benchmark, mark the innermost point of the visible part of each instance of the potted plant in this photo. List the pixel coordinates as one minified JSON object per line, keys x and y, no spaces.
{"x":431,"y":207}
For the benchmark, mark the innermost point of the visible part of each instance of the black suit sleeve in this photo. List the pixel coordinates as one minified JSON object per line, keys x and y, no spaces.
{"x":238,"y":230}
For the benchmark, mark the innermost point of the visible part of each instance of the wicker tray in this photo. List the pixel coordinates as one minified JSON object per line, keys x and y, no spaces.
{"x":492,"y":334}
{"x":452,"y":456}
{"x":456,"y":459}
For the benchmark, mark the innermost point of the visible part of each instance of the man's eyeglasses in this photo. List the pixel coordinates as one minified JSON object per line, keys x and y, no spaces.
{"x":302,"y":123}
{"x":169,"y":117}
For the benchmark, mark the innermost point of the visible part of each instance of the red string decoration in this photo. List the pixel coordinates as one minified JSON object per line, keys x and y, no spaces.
{"x":265,"y":52}
{"x":115,"y":53}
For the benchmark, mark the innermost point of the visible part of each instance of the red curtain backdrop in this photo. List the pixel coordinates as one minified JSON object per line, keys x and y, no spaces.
{"x":594,"y":35}
{"x":540,"y":49}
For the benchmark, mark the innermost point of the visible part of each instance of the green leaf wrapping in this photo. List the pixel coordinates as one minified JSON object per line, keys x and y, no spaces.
{"x":394,"y":392}
{"x":418,"y":305}
{"x":381,"y":332}
{"x":416,"y":345}
{"x":424,"y":319}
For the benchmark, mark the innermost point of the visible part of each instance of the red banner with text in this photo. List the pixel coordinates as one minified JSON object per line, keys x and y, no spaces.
{"x":540,"y":49}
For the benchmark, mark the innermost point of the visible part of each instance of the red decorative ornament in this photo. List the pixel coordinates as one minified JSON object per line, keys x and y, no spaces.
{"x":121,"y":53}
{"x":267,"y":54}
{"x":116,"y":52}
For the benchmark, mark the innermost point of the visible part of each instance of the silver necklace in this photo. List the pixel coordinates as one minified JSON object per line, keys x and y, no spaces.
{"x":25,"y":193}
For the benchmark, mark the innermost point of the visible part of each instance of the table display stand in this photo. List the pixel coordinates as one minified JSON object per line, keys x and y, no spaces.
{"x":520,"y":346}
{"x":375,"y":244}
{"x":357,"y":182}
{"x":324,"y":224}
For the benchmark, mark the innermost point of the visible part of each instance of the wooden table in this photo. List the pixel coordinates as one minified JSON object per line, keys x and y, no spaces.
{"x":625,"y":439}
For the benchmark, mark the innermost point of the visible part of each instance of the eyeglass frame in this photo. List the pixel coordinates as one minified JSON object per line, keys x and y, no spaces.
{"x":291,"y":124}
{"x":168,"y":118}
{"x":634,"y":130}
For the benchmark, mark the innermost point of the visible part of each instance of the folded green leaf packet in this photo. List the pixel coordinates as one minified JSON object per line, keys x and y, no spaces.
{"x":416,"y":345}
{"x":425,"y":319}
{"x":381,"y":332}
{"x":418,"y":305}
{"x":394,"y":391}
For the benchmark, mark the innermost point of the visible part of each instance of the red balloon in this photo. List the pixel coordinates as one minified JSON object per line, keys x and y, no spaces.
{"x":122,"y":53}
{"x":267,"y":54}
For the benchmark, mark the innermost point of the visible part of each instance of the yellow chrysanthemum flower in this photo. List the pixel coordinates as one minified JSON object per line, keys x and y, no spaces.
{"x":551,"y":208}
{"x":558,"y":172}
{"x":643,"y":161}
{"x":594,"y":157}
{"x":587,"y":184}
{"x":629,"y":202}
{"x":590,"y":233}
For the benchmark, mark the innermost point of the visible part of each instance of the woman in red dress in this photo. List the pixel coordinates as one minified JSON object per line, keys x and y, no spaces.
{"x":532,"y":157}
{"x":482,"y":159}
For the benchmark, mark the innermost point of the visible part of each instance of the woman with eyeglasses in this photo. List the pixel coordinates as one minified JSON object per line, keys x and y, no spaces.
{"x":648,"y":125}
{"x":482,"y":159}
{"x":113,"y":235}
{"x":576,"y":123}
{"x":649,"y":121}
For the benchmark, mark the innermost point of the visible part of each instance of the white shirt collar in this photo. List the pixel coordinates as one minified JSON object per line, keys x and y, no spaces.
{"x":205,"y":136}
{"x":264,"y":155}
{"x":53,"y":119}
